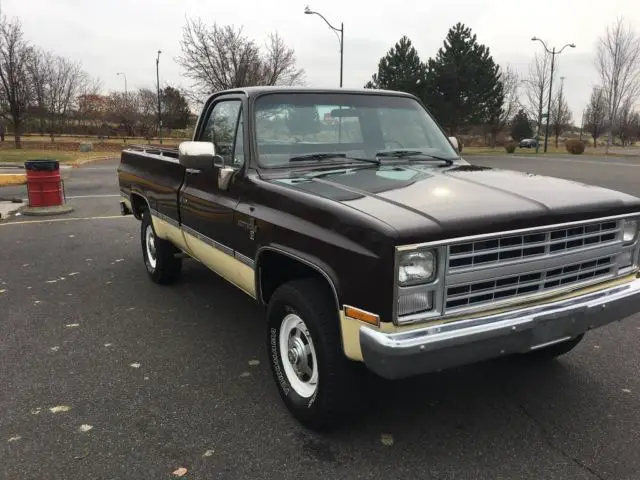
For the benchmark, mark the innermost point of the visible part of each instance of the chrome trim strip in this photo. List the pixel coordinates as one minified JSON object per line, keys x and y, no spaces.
{"x":164,"y":217}
{"x":401,"y":354}
{"x":208,"y":241}
{"x":513,"y":232}
{"x":244,"y":259}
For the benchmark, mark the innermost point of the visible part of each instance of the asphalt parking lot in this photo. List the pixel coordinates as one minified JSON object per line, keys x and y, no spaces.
{"x":108,"y":376}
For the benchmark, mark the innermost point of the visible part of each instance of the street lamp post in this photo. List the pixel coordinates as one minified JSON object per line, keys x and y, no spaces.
{"x":159,"y":103}
{"x":553,"y":53}
{"x":308,"y":11}
{"x":125,"y":82}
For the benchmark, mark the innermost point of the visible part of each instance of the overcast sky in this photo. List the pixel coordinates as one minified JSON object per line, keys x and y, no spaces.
{"x":124,"y":35}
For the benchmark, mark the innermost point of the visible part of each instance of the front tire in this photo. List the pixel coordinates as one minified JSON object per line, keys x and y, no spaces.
{"x":317,"y":383}
{"x":159,"y":255}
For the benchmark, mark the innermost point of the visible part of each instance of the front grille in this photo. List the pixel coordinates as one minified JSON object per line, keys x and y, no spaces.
{"x":504,"y":288}
{"x":488,"y":252}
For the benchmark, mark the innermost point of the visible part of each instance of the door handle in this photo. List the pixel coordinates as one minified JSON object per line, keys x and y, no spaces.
{"x":192,"y":171}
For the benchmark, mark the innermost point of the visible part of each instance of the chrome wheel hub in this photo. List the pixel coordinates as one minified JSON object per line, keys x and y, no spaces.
{"x":300,"y":363}
{"x":150,"y":243}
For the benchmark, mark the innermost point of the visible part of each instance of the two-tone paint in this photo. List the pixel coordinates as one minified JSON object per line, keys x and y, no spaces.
{"x":342,"y":221}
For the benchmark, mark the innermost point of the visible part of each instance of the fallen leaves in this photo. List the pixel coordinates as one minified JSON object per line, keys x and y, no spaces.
{"x":85,"y":428}
{"x":208,"y":453}
{"x":386,"y":439}
{"x":180,"y":472}
{"x":60,"y":409}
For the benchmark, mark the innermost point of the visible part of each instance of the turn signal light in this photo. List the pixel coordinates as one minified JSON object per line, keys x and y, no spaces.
{"x":362,"y":315}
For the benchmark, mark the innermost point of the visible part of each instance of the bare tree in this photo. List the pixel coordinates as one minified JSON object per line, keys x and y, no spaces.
{"x":560,"y":115}
{"x":57,"y":84}
{"x":595,"y":116}
{"x":279,"y":66}
{"x":16,"y":88}
{"x":68,"y":81}
{"x":39,"y":68}
{"x":618,"y":63}
{"x":537,"y":87}
{"x":221,"y":57}
{"x":625,"y":122}
{"x":511,"y":104}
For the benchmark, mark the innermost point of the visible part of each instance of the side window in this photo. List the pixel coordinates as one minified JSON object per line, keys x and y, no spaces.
{"x":221,"y":131}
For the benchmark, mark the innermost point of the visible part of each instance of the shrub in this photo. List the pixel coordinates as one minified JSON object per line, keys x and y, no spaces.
{"x":510,"y":147}
{"x":574,"y":146}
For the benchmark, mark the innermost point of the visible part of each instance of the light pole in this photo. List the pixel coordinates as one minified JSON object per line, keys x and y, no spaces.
{"x":308,"y":11}
{"x":159,"y":103}
{"x":125,"y":82}
{"x":553,"y":53}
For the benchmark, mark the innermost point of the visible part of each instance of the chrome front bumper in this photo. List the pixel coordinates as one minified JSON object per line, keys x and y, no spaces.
{"x":437,"y":347}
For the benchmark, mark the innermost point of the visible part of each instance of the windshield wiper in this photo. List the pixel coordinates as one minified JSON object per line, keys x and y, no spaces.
{"x":329,"y":156}
{"x":412,"y":153}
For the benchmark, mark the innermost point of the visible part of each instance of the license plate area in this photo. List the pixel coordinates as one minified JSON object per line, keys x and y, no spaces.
{"x":557,"y":327}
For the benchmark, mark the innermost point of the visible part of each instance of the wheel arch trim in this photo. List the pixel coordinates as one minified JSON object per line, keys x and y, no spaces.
{"x":314,"y":264}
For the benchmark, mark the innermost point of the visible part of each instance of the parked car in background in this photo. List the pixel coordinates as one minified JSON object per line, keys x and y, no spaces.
{"x":350,"y":216}
{"x":528,"y":143}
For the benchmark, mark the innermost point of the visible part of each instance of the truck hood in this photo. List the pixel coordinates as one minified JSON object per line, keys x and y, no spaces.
{"x":425,"y":202}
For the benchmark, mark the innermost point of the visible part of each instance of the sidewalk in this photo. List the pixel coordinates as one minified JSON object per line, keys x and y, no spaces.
{"x":8,"y":207}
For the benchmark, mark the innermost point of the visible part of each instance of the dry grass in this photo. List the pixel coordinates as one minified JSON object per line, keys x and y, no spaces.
{"x":21,"y":156}
{"x":94,"y":139}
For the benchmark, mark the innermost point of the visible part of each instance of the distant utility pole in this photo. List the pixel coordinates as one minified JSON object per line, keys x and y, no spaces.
{"x":159,"y":103}
{"x":125,"y":82}
{"x":553,"y":57}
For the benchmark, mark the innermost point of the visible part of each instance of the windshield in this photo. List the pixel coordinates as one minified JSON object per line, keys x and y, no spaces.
{"x":290,"y":125}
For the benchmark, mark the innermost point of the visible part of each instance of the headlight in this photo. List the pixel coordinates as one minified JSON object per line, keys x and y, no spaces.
{"x":416,"y":267}
{"x":629,"y":231}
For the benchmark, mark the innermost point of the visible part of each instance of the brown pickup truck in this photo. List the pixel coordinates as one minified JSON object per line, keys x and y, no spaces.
{"x":353,"y":219}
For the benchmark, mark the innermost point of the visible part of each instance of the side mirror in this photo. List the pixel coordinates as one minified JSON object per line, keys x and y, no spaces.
{"x":456,"y":145}
{"x":197,"y":155}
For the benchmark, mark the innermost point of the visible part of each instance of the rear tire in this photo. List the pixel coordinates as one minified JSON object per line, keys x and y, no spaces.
{"x":159,"y":257}
{"x":551,"y":352}
{"x":317,"y":383}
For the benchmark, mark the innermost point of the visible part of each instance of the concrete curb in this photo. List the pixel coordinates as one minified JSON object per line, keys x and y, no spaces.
{"x":12,"y":179}
{"x":46,"y":211}
{"x":80,"y":163}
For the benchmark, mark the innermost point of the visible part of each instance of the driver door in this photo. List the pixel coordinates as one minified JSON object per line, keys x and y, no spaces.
{"x":207,"y":211}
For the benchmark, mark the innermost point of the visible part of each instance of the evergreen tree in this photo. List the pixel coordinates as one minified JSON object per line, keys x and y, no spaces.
{"x":400,"y":69}
{"x":520,"y":127}
{"x":465,"y":85}
{"x":175,"y":109}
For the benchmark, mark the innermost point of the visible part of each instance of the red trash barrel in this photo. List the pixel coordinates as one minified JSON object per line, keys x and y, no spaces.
{"x":44,"y":184}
